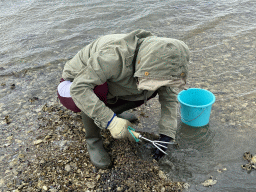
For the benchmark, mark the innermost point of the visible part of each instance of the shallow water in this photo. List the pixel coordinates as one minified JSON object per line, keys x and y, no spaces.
{"x":38,"y":37}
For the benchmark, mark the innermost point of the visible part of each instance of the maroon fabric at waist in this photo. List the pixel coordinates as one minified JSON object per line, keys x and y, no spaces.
{"x":100,"y":90}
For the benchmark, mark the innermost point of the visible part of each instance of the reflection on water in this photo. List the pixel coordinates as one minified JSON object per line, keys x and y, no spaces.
{"x":194,"y":135}
{"x":194,"y":145}
{"x":211,"y":150}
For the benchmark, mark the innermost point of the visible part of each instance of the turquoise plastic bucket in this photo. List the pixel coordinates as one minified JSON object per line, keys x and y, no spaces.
{"x":195,"y":106}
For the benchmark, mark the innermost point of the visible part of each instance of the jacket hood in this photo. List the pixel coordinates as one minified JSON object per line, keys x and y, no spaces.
{"x":162,"y":58}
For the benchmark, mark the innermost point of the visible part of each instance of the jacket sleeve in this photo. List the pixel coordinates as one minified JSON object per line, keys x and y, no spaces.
{"x":101,"y":66}
{"x":168,"y":121}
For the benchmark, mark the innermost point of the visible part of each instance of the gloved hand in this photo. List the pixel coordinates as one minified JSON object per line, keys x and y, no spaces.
{"x":118,"y":128}
{"x":159,"y":154}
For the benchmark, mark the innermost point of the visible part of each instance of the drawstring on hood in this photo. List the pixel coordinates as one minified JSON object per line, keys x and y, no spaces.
{"x":154,"y":84}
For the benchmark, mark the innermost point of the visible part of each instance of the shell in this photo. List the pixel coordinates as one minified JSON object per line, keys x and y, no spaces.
{"x":209,"y":182}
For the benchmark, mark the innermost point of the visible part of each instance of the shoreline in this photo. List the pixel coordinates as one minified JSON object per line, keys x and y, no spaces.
{"x":61,"y":161}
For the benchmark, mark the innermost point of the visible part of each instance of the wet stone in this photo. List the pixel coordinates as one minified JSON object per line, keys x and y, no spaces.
{"x":18,"y":141}
{"x":97,"y":177}
{"x":209,"y":182}
{"x":6,"y":145}
{"x":33,"y":99}
{"x":38,"y":142}
{"x":9,"y":138}
{"x":1,"y":182}
{"x":7,"y":119}
{"x":2,"y":158}
{"x":90,"y":185}
{"x":251,"y":162}
{"x":162,"y":175}
{"x":53,"y":190}
{"x":13,"y":163}
{"x":67,"y":168}
{"x":12,"y":86}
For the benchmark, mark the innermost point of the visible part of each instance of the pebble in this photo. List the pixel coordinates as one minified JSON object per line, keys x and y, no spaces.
{"x":156,"y":168}
{"x":18,"y":141}
{"x":15,"y":172}
{"x":98,"y":177}
{"x":162,"y":175}
{"x":221,"y":170}
{"x":67,"y":168}
{"x":9,"y":138}
{"x":2,"y":157}
{"x":209,"y":182}
{"x":13,"y":163}
{"x":253,"y":159}
{"x":73,"y":165}
{"x":186,"y":185}
{"x":38,"y":110}
{"x":94,"y":170}
{"x":53,"y":190}
{"x":6,"y":145}
{"x":39,"y":184}
{"x":38,"y":142}
{"x":48,"y":137}
{"x":1,"y":182}
{"x":21,"y":156}
{"x":13,"y":86}
{"x":45,"y":188}
{"x":90,"y":185}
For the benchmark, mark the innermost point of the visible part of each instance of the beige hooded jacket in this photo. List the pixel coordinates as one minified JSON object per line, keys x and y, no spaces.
{"x":120,"y":60}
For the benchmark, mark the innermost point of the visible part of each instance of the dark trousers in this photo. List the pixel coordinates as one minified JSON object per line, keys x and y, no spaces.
{"x":123,"y":105}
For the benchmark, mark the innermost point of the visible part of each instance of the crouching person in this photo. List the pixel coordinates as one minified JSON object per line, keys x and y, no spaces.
{"x":119,"y":72}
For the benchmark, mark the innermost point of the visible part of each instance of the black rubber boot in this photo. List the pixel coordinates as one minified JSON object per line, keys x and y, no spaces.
{"x":159,"y":154}
{"x":99,"y":157}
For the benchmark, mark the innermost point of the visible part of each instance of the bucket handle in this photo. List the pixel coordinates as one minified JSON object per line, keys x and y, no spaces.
{"x":194,"y":118}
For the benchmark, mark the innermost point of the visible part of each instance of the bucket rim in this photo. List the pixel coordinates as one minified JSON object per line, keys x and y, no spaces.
{"x":196,"y":106}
